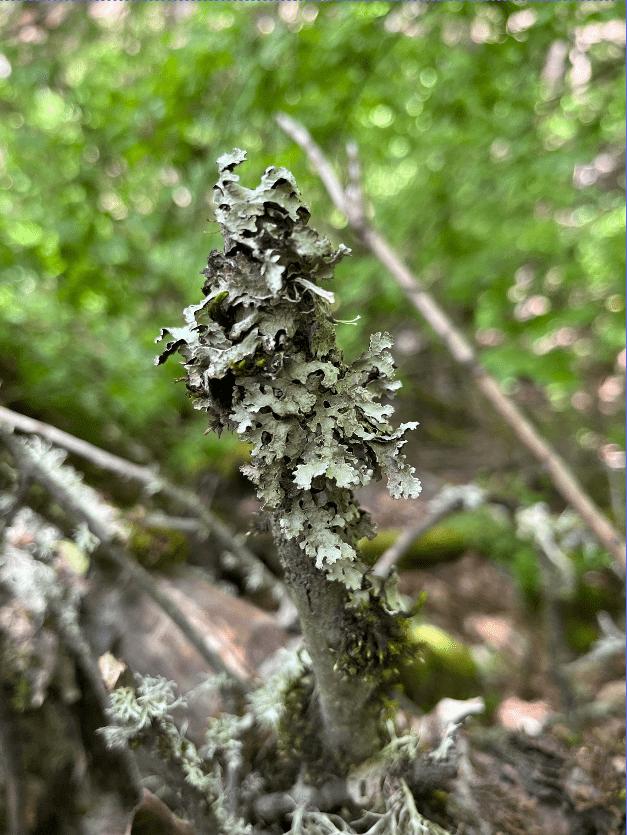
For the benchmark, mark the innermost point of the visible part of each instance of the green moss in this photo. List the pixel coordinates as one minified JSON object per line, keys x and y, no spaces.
{"x":452,"y":654}
{"x":481,"y":530}
{"x":214,"y":309}
{"x":158,"y":547}
{"x":580,"y":636}
{"x":440,"y":543}
{"x":20,"y":699}
{"x":443,"y":667}
{"x":299,"y":739}
{"x":374,"y":643}
{"x":438,"y":800}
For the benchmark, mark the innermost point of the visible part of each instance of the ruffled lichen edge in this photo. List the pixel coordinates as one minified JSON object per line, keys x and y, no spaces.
{"x":260,"y":357}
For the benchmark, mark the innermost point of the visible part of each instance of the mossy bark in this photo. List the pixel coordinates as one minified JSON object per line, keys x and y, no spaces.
{"x":350,"y":716}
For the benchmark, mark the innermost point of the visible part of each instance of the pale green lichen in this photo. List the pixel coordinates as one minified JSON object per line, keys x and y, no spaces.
{"x":143,"y":715}
{"x":260,"y":358}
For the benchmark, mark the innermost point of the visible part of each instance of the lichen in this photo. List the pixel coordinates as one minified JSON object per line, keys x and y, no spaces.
{"x":142,"y":716}
{"x":260,"y":357}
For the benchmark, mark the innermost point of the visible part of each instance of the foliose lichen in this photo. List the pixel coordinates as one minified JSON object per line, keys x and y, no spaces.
{"x":260,"y":357}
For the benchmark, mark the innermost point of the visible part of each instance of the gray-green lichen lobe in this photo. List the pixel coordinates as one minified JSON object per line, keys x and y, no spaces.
{"x":260,"y":358}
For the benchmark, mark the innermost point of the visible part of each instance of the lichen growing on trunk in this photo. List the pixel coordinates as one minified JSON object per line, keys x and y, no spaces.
{"x":261,"y":359}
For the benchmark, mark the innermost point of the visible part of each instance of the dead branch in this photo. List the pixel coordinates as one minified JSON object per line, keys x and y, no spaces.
{"x":72,"y":505}
{"x":352,"y":204}
{"x":154,"y":483}
{"x":448,"y":500}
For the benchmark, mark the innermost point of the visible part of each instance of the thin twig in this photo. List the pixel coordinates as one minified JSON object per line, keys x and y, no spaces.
{"x":105,"y":460}
{"x":76,"y":509}
{"x":461,"y":350}
{"x":183,"y":524}
{"x":354,"y":194}
{"x":301,"y":136}
{"x":610,"y":644}
{"x":154,"y":483}
{"x":448,"y":500}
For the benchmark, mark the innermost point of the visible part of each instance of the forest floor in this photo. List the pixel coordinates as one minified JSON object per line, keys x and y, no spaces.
{"x":546,"y":755}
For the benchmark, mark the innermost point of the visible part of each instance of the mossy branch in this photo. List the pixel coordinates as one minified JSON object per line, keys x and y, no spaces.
{"x":260,"y":358}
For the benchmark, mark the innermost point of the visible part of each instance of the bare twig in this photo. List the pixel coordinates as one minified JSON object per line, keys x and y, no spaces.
{"x":461,"y":350}
{"x":301,"y":136}
{"x":154,"y":483}
{"x":105,"y":460}
{"x":99,"y":528}
{"x":448,"y":500}
{"x":608,"y":646}
{"x":183,"y":524}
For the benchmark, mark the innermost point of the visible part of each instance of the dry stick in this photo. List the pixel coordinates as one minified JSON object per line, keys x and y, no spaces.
{"x":458,"y":345}
{"x":99,"y":457}
{"x":150,"y":478}
{"x":441,"y":506}
{"x":75,"y":508}
{"x":386,"y":562}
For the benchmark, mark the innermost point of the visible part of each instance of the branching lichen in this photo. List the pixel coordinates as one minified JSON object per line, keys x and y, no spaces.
{"x":143,"y":715}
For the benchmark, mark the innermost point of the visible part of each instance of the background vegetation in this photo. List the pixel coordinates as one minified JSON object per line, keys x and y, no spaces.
{"x":491,"y":138}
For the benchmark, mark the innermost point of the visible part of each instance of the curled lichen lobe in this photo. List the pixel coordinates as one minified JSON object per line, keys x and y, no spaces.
{"x":260,"y":358}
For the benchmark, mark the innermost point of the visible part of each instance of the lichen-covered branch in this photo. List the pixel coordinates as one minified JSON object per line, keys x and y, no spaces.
{"x":260,"y":358}
{"x":65,"y":486}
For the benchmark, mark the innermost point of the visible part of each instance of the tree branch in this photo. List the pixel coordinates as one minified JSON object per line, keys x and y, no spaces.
{"x":77,"y":509}
{"x":154,"y":483}
{"x":459,"y":347}
{"x":448,"y":500}
{"x":260,"y":356}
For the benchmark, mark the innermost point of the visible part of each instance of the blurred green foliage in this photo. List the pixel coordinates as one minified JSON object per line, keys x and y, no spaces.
{"x":491,"y":140}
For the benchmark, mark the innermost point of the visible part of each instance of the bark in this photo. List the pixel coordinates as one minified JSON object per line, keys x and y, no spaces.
{"x":350,"y":724}
{"x":261,"y":359}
